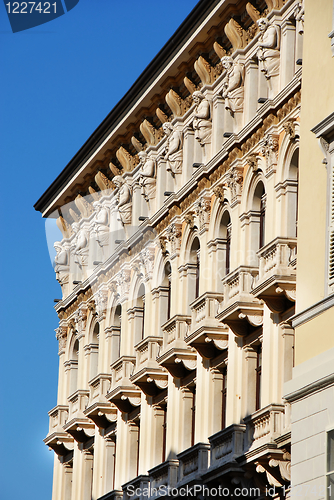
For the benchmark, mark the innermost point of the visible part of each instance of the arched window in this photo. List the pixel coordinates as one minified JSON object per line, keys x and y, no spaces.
{"x":195,"y":261}
{"x":138,"y":312}
{"x":260,"y":206}
{"x":168,"y":284}
{"x":257,"y":225}
{"x":94,"y":352}
{"x":73,"y":368}
{"x":292,"y":196}
{"x":225,"y":236}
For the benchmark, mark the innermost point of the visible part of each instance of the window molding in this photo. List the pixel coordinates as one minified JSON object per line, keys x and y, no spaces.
{"x":324,"y":132}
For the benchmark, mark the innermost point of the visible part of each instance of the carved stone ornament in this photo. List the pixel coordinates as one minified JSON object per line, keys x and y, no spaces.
{"x":290,"y":129}
{"x":270,"y":152}
{"x":123,"y":199}
{"x":62,"y":266}
{"x":252,"y":161}
{"x":233,"y":181}
{"x":147,"y":179}
{"x":233,"y":85}
{"x":219,"y":193}
{"x":162,"y":245}
{"x":123,"y":282}
{"x":101,"y":224}
{"x":174,"y":236}
{"x":173,"y":151}
{"x":189,"y":219}
{"x":147,"y":259}
{"x":203,"y":208}
{"x":202,"y":121}
{"x":81,"y":319}
{"x":61,"y":336}
{"x":101,"y":301}
{"x":81,"y":246}
{"x":269,"y":52}
{"x":299,"y":16}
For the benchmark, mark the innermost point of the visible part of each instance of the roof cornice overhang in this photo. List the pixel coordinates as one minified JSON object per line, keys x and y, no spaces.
{"x":143,"y":82}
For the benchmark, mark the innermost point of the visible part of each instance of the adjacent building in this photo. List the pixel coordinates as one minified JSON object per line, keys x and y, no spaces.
{"x":186,"y":354}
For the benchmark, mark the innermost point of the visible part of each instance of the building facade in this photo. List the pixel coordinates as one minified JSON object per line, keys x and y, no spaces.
{"x":178,"y":262}
{"x":311,"y":389}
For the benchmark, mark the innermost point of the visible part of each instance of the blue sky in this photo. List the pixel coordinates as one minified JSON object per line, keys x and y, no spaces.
{"x":58,"y":82}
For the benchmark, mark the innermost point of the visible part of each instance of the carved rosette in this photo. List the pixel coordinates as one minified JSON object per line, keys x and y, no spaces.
{"x":203,"y":209}
{"x":174,"y":237}
{"x":270,"y":152}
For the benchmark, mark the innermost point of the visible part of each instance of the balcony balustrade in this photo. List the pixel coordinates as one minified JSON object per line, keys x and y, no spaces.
{"x":241,"y":311}
{"x":162,"y":476}
{"x":264,"y":427}
{"x":276,"y":284}
{"x":176,"y":356}
{"x":99,"y":409}
{"x":57,"y":439}
{"x":193,"y":462}
{"x":137,"y":489}
{"x":148,"y":374}
{"x":78,"y":425}
{"x":123,"y":393}
{"x":227,"y":445}
{"x":207,"y":335}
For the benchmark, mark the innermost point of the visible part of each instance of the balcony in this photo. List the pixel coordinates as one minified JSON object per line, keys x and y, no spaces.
{"x":241,"y":311}
{"x":177,"y":357}
{"x":264,"y":427}
{"x":137,"y":488}
{"x":276,"y":284}
{"x":57,"y":439}
{"x":99,"y":409}
{"x":112,"y":495}
{"x":123,"y":393}
{"x":193,"y":462}
{"x":207,"y":335}
{"x":227,"y":445}
{"x":148,"y":375}
{"x":78,"y":425}
{"x":163,"y":475}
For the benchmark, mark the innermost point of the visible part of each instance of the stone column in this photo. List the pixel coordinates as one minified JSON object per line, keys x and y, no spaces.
{"x":288,"y":36}
{"x":217,"y":123}
{"x":68,"y":470}
{"x":288,"y":334}
{"x":110,"y":457}
{"x":217,"y":379}
{"x":250,"y":382}
{"x":165,"y":182}
{"x":158,"y":435}
{"x":87,"y":475}
{"x":186,"y":415}
{"x":133,"y":449}
{"x":251,"y":89}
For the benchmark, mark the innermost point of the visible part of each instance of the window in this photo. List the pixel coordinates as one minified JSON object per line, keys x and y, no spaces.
{"x":258,"y":378}
{"x":224,"y":391}
{"x":330,"y":465}
{"x":195,"y":261}
{"x":325,"y":132}
{"x":193,"y":412}
{"x":164,"y":433}
{"x":262,"y":220}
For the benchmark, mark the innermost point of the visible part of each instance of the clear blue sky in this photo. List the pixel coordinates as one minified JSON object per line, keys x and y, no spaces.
{"x":58,"y":82}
